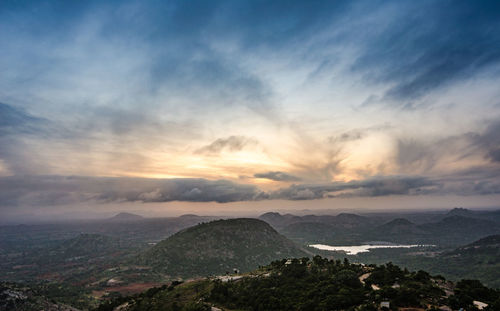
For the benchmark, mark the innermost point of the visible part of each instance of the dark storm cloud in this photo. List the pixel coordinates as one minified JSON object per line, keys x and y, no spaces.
{"x":65,"y":190}
{"x":191,"y":48}
{"x":54,"y":190}
{"x":377,"y":186}
{"x":231,"y":143}
{"x":481,"y":180}
{"x":277,"y":176}
{"x":172,"y":39}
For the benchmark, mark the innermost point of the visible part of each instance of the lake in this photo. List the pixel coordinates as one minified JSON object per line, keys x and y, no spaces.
{"x":356,"y":249}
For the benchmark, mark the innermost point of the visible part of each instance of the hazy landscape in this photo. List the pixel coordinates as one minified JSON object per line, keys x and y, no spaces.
{"x":84,"y":264}
{"x":218,"y":155}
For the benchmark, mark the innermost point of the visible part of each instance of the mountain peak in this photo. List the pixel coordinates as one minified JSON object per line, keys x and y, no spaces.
{"x":346,"y":216}
{"x":399,"y":222}
{"x":219,"y":246}
{"x":270,"y":215}
{"x":460,"y":211}
{"x":188,"y":216}
{"x":124,"y":217}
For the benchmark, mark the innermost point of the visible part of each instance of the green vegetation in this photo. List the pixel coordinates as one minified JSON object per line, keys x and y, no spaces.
{"x":317,"y":284}
{"x":44,"y":296}
{"x":218,"y":247}
{"x":479,"y":260}
{"x":83,"y":264}
{"x":311,"y":231}
{"x":450,"y":231}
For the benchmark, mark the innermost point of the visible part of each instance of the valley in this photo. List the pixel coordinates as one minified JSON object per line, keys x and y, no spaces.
{"x":85,"y":264}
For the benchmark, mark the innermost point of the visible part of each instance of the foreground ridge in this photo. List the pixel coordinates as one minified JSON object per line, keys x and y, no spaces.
{"x":317,"y":284}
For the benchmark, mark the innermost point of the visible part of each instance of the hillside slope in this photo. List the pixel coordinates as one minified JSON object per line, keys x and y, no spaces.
{"x":478,"y":260}
{"x":317,"y":284}
{"x":219,"y":246}
{"x":459,"y":230}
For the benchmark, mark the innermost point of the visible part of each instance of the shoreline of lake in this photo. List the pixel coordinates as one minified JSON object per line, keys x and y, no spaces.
{"x":364,"y":248}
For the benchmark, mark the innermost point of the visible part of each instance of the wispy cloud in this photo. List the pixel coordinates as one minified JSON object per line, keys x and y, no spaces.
{"x":277,"y":176}
{"x":345,"y":98}
{"x":231,"y":143}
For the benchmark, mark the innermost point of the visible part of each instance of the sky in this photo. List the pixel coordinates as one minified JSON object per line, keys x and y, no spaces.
{"x":236,"y":105}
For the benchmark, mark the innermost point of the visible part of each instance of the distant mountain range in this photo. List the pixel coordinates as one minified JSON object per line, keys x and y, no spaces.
{"x":219,"y":246}
{"x":450,"y":229}
{"x":343,"y":220}
{"x":129,"y":250}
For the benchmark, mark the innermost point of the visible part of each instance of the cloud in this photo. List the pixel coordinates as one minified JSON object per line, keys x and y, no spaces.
{"x":17,"y":129}
{"x":47,"y":191}
{"x":376,"y":186}
{"x":231,"y":144}
{"x":422,"y":156}
{"x":429,"y":45}
{"x":56,"y":190}
{"x":489,"y":141}
{"x":359,"y":133}
{"x":15,"y":121}
{"x":126,"y":89}
{"x":494,"y":155}
{"x":277,"y":176}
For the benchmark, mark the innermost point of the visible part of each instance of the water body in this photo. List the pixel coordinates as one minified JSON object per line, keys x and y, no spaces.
{"x":353,"y":250}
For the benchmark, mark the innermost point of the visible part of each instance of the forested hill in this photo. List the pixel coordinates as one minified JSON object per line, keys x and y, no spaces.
{"x":219,"y":246}
{"x":317,"y":284}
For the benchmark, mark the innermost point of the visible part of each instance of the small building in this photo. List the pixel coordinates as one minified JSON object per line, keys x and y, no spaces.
{"x":480,"y":305}
{"x":385,"y":304}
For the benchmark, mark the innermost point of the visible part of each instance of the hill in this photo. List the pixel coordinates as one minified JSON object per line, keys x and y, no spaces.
{"x":219,"y":246}
{"x":491,"y":215}
{"x":460,"y":211}
{"x":489,"y":241}
{"x":399,"y":226}
{"x":125,"y":217}
{"x":279,"y":221}
{"x":310,"y":232}
{"x":399,"y":230}
{"x":343,"y":228}
{"x":456,"y":230}
{"x":477,"y":260}
{"x":317,"y":284}
{"x":488,"y":246}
